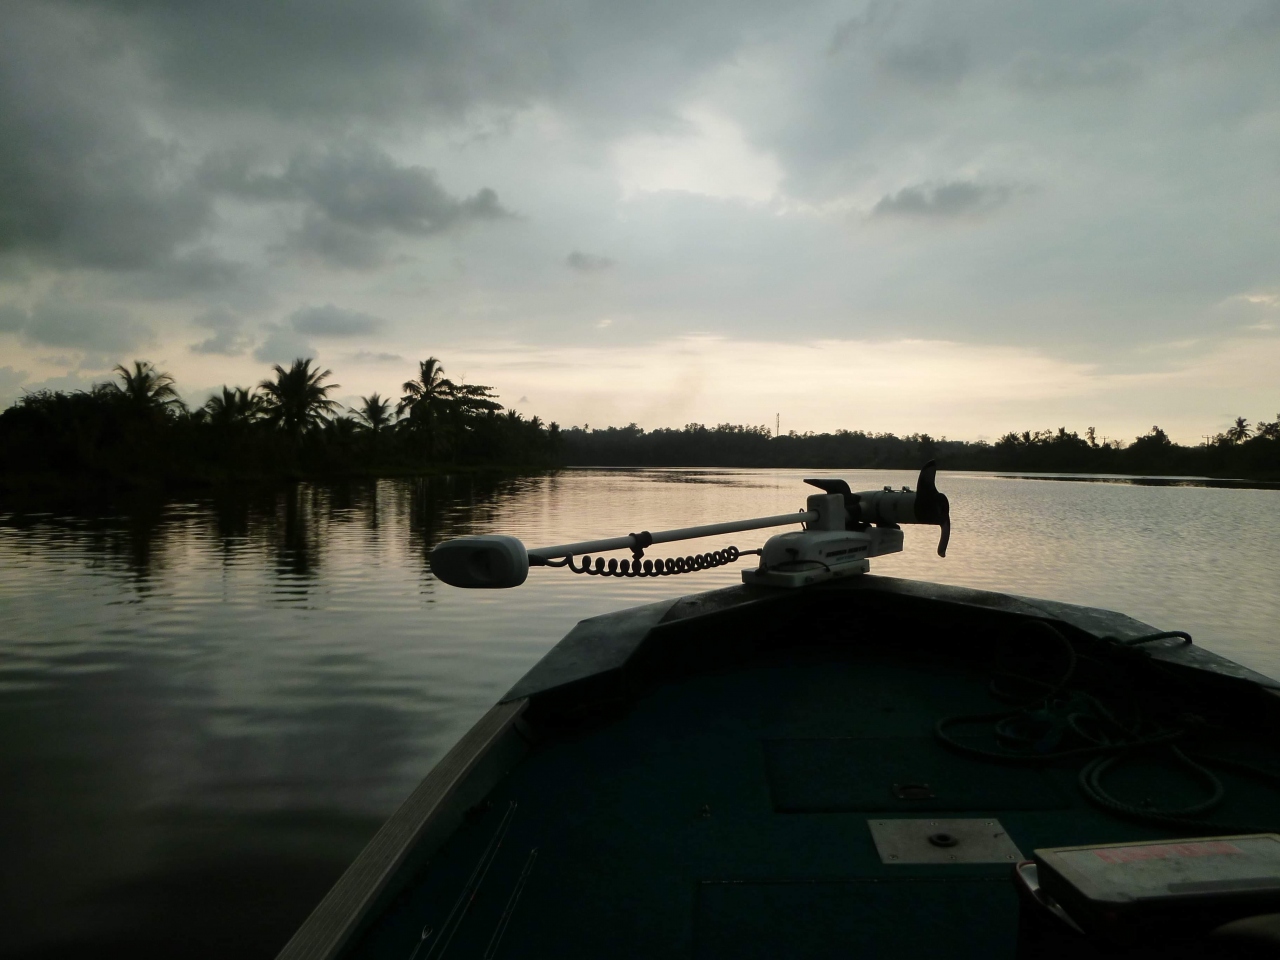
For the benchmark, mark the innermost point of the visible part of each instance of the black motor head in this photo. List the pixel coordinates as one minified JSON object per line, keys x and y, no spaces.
{"x":830,"y":486}
{"x":932,"y":506}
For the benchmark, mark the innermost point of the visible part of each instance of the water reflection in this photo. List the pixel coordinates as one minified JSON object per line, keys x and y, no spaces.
{"x":209,"y":705}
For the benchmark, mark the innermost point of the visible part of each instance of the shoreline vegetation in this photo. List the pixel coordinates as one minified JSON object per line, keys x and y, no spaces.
{"x":135,"y":434}
{"x":1245,"y":452}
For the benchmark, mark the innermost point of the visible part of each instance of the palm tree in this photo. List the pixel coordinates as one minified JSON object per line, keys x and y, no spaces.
{"x":427,"y":393}
{"x":375,"y":413}
{"x":426,"y":399}
{"x":340,"y":430}
{"x":296,"y":399}
{"x":1240,"y":432}
{"x":236,"y":405}
{"x":146,"y":388}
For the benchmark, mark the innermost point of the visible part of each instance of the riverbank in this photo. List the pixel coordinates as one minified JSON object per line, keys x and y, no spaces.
{"x":1245,"y":455}
{"x":1216,"y":483}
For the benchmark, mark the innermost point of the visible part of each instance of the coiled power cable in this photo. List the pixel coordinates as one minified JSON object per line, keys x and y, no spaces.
{"x":1057,"y":720}
{"x":636,"y":567}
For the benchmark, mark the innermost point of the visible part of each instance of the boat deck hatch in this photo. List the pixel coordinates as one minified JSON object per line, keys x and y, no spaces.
{"x":980,"y":840}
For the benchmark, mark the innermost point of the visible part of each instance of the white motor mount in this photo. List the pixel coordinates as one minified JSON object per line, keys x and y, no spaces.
{"x":842,"y":538}
{"x":802,"y":557}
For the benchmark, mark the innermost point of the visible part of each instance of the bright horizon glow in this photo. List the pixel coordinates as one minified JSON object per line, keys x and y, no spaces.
{"x":946,"y":389}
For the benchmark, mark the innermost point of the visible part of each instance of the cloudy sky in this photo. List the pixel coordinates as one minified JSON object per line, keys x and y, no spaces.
{"x":956,"y":217}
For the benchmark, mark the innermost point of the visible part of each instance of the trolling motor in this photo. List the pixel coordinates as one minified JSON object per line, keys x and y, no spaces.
{"x":841,"y":531}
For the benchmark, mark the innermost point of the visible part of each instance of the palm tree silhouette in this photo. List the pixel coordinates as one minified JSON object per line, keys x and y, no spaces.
{"x":427,"y":393}
{"x":426,"y":399}
{"x":1239,"y":433}
{"x":146,"y":388}
{"x":296,"y":400}
{"x":236,"y":405}
{"x":375,"y":412}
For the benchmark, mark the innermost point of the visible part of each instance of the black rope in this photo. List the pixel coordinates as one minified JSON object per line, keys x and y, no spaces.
{"x":649,"y":568}
{"x":1055,"y":720}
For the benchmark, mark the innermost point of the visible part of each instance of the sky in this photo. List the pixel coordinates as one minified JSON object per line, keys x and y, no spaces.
{"x":960,"y":217}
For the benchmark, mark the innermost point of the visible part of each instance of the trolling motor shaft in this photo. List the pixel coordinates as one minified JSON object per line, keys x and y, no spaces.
{"x":500,"y":561}
{"x":842,"y":530}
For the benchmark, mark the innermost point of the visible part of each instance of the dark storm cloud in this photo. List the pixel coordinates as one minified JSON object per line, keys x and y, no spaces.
{"x":229,"y":338}
{"x":360,"y":186}
{"x":330,"y":59}
{"x":201,"y":271}
{"x":321,"y":56}
{"x":61,"y":322}
{"x":1150,"y":119}
{"x":943,"y":201}
{"x":364,"y":188}
{"x":353,"y":195}
{"x":369,"y":356}
{"x":1054,"y":73}
{"x":874,"y":20}
{"x":931,"y":60}
{"x":334,"y":244}
{"x":90,"y":182}
{"x":12,"y":318}
{"x":84,"y":182}
{"x":936,"y":63}
{"x":331,"y":321}
{"x":282,"y":345}
{"x":588,"y":262}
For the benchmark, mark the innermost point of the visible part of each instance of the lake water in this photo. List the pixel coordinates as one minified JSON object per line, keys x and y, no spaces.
{"x":208,"y":706}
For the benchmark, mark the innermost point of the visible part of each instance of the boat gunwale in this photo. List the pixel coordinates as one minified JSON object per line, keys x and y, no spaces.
{"x":421,"y":824}
{"x":602,"y":645}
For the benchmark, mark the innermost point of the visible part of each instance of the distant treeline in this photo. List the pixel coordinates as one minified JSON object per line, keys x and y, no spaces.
{"x":1246,"y":451}
{"x":136,"y":431}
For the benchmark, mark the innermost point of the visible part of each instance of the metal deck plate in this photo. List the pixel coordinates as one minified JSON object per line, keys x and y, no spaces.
{"x":938,"y":840}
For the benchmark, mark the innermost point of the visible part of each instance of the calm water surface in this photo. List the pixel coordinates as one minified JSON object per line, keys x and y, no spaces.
{"x":208,"y":706}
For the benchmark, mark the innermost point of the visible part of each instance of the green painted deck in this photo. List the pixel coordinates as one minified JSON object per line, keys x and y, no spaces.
{"x":713,"y":802}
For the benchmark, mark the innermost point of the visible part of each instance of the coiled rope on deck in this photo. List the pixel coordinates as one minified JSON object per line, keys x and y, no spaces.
{"x":1055,"y":720}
